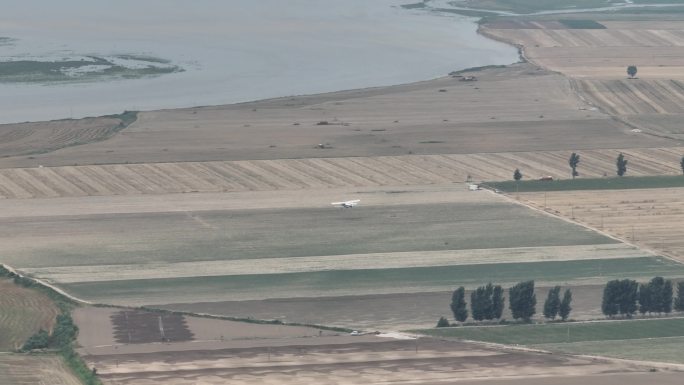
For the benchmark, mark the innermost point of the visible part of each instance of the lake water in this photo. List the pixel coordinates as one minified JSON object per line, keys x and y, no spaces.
{"x":232,"y":50}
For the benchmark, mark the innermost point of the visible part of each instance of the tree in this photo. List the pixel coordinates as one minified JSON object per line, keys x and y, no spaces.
{"x":486,"y":302}
{"x":620,"y":297}
{"x":552,"y":303}
{"x":632,"y":71}
{"x":498,"y":301}
{"x":565,"y":308}
{"x":443,"y":323}
{"x":679,"y":301}
{"x":655,"y":296}
{"x":621,"y":165}
{"x":573,"y":162}
{"x":609,"y":305}
{"x":479,"y":303}
{"x":681,"y":164}
{"x":458,"y":305}
{"x":522,"y":300}
{"x":517,"y":175}
{"x":39,"y":340}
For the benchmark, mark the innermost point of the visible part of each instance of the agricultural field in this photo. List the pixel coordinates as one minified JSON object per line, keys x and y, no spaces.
{"x":225,"y":351}
{"x":650,"y":218}
{"x":199,"y":252}
{"x":321,"y":174}
{"x":22,"y":313}
{"x":21,"y":369}
{"x":644,"y":340}
{"x":518,"y":108}
{"x":602,"y":53}
{"x":41,"y":137}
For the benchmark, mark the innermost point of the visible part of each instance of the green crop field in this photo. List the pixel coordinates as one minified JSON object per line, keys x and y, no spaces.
{"x":628,"y":182}
{"x":350,"y":282}
{"x":665,"y":349}
{"x":571,"y":332}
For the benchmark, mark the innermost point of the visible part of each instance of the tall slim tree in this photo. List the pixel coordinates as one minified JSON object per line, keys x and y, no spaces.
{"x":552,"y":303}
{"x":573,"y":162}
{"x":632,"y":71}
{"x":458,"y":305}
{"x":629,"y":290}
{"x":479,"y":304}
{"x":517,"y":175}
{"x":565,"y":308}
{"x":679,"y":301}
{"x":522,"y":300}
{"x":681,"y":164}
{"x":609,"y":304}
{"x":621,"y":165}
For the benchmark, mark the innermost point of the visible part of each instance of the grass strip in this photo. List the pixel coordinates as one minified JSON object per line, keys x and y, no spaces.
{"x":616,"y":183}
{"x":567,"y":332}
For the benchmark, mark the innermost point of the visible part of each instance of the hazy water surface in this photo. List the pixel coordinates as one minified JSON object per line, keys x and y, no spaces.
{"x":231,"y":50}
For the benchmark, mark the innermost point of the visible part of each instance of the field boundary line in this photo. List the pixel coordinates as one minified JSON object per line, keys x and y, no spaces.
{"x":47,"y":285}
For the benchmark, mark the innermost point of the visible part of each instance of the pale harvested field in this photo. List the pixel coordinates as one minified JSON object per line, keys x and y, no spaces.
{"x":20,"y":369}
{"x":321,"y":174}
{"x":519,"y":108}
{"x":658,"y":51}
{"x":423,"y":361}
{"x":652,"y":218}
{"x":22,"y":313}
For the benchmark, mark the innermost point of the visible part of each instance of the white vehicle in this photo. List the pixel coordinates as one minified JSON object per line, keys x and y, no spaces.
{"x":355,"y":333}
{"x":347,"y":204}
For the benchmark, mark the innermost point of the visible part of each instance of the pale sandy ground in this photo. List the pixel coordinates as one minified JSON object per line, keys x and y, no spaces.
{"x":520,"y":108}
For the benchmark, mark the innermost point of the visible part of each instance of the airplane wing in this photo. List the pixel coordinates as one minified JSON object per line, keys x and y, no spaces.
{"x":347,"y":204}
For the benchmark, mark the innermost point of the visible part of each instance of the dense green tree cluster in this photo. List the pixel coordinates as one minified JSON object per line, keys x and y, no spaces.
{"x":487,"y":302}
{"x":656,"y":296}
{"x":522,"y":300}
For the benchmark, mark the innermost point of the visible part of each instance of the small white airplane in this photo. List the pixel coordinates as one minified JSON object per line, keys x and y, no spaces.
{"x":347,"y":204}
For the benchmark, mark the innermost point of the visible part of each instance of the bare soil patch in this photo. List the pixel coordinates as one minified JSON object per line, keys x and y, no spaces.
{"x":423,"y":361}
{"x":137,"y":327}
{"x":519,"y":108}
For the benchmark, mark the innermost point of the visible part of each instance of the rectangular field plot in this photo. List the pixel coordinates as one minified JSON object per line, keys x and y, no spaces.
{"x":275,"y":233}
{"x":567,"y":332}
{"x":666,"y":349}
{"x":375,"y":281}
{"x":137,"y":327}
{"x":35,"y":369}
{"x":648,"y":217}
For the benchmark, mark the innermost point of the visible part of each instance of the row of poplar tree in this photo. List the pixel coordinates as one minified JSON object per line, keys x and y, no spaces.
{"x":625,"y":297}
{"x":487,"y":303}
